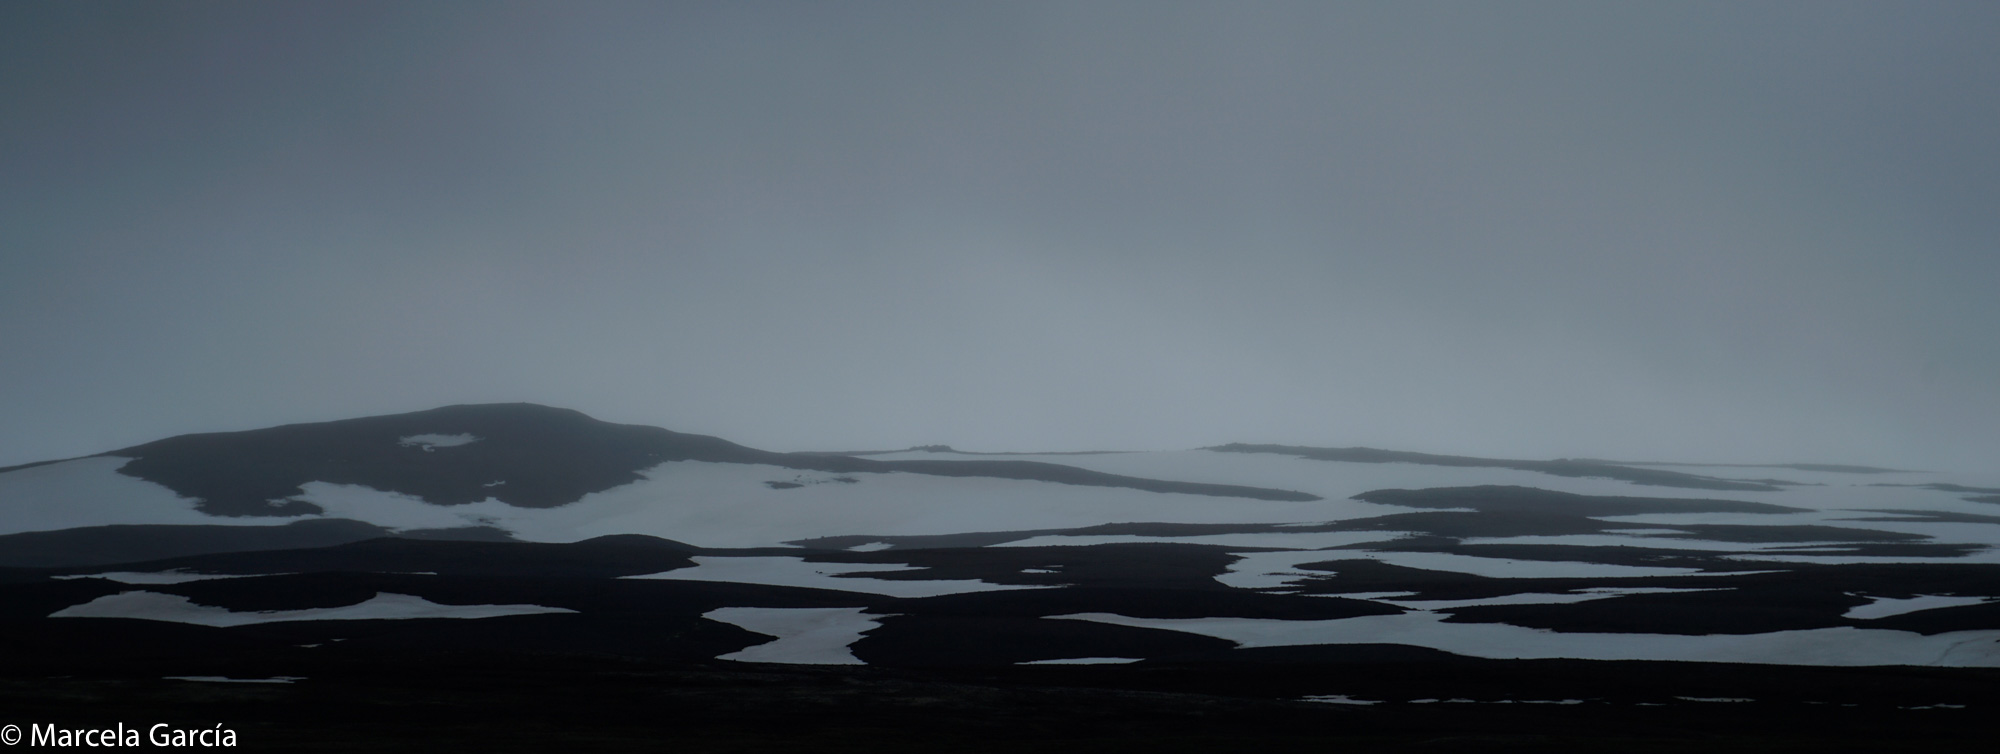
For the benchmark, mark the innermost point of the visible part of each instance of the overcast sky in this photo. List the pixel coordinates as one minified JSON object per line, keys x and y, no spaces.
{"x":1728,"y":231}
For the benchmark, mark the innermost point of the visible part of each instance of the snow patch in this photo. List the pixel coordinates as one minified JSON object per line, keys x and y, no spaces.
{"x":1628,"y":540}
{"x":1842,"y":646}
{"x":1883,"y":607}
{"x":1279,"y":569}
{"x":1507,"y":568}
{"x":172,"y":576}
{"x":1369,"y":595}
{"x":397,"y":511}
{"x":1537,"y":598}
{"x":173,"y":608}
{"x":803,"y":635}
{"x":726,"y":505}
{"x":91,"y":492}
{"x":1337,"y":699}
{"x":1524,"y":598}
{"x":1988,"y":556}
{"x":433,"y":442}
{"x":1273,"y":570}
{"x":1290,"y":540}
{"x":781,"y":570}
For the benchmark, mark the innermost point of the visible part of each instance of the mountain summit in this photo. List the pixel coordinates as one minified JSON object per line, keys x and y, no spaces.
{"x":521,"y":454}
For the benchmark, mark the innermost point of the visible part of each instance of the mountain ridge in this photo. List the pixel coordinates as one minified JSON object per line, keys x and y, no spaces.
{"x":521,"y":454}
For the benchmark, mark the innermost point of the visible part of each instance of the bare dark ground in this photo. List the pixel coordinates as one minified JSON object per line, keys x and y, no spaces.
{"x":511,"y":703}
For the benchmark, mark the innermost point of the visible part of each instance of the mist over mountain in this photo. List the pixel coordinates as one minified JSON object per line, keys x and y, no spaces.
{"x":905,"y":376}
{"x":1749,"y":234}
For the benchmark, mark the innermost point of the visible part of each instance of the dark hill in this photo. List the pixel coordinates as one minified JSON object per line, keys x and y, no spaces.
{"x":524,"y":455}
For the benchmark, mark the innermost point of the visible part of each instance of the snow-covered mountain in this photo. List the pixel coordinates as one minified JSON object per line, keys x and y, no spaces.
{"x":533,"y":473}
{"x":543,"y":532}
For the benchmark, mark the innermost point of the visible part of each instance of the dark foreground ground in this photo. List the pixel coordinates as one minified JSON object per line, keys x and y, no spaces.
{"x":632,"y":668}
{"x":510,"y":703}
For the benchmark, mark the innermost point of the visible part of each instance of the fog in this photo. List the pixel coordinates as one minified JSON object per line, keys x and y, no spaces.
{"x":1734,"y":231}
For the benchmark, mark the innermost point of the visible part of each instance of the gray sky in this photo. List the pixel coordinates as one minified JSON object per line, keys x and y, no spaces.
{"x":1705,"y":231}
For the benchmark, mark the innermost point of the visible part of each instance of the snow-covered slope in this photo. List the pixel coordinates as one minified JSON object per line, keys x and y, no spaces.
{"x":1249,"y":546}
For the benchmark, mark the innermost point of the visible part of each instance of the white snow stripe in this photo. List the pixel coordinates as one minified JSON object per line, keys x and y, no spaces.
{"x":803,"y":635}
{"x":173,"y":608}
{"x":1841,"y":646}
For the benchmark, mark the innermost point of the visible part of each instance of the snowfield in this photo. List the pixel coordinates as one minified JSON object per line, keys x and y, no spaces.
{"x":728,"y":505}
{"x":91,"y":492}
{"x":804,"y":635}
{"x":1883,"y":607}
{"x":143,"y":605}
{"x":1824,"y":646}
{"x":850,"y":577}
{"x":432,"y":442}
{"x":1457,"y":564}
{"x":173,"y":576}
